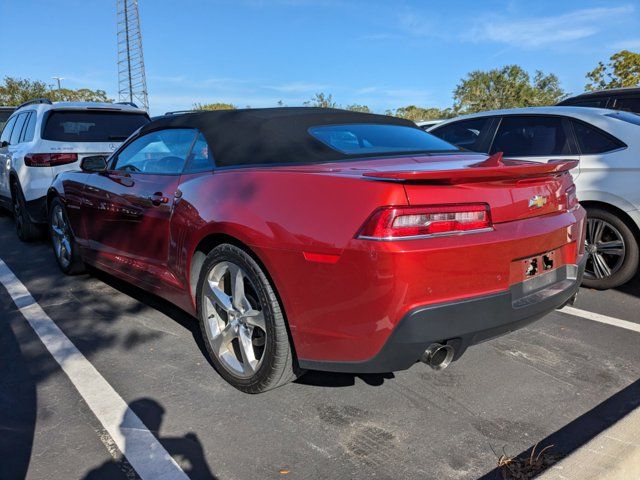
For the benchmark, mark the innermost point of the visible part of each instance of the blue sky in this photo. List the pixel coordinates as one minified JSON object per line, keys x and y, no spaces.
{"x":384,"y":54}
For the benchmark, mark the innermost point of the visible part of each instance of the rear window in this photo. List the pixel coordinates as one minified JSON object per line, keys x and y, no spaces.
{"x":359,"y":139}
{"x":626,"y":117}
{"x":87,"y":126}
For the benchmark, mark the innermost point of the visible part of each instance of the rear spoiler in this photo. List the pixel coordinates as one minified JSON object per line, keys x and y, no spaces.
{"x":491,"y":169}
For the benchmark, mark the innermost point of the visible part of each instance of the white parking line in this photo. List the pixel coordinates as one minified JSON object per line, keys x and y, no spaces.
{"x":143,"y":451}
{"x":596,"y":317}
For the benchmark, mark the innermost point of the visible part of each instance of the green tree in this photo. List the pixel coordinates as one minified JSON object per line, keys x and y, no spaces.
{"x":80,"y":95}
{"x":506,"y":87}
{"x":214,"y":106}
{"x":14,"y":91}
{"x":623,"y":70}
{"x":358,"y":108}
{"x":417,"y":114}
{"x":321,"y":100}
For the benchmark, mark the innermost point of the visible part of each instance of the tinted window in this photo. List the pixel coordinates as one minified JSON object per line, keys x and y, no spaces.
{"x":17,"y":129}
{"x":87,"y":126}
{"x":357,"y":139}
{"x":467,"y":134}
{"x":200,"y":159}
{"x":592,"y":140}
{"x":531,"y":137}
{"x":161,"y":152}
{"x":30,"y":129}
{"x":629,"y":104}
{"x":4,"y":116}
{"x":6,"y":132}
{"x":592,"y":102}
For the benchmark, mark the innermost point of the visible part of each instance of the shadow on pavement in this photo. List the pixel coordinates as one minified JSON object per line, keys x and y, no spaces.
{"x":330,"y":379}
{"x":186,"y":450}
{"x":575,"y":434}
{"x":17,"y":405}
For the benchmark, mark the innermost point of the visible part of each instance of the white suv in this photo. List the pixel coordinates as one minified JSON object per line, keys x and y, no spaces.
{"x":607,"y":144}
{"x":42,"y":139}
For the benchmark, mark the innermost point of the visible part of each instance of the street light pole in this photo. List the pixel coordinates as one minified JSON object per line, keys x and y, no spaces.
{"x":58,"y":79}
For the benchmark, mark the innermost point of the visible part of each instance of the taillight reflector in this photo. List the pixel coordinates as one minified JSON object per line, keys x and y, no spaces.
{"x":49,"y":159}
{"x":402,"y":222}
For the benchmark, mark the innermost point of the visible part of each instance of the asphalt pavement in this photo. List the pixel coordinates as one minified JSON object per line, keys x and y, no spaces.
{"x":561,"y":382}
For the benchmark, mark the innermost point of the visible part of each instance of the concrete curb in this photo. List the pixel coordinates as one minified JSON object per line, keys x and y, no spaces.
{"x":613,"y":454}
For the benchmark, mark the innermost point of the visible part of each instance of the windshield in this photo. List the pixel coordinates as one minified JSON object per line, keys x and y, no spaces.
{"x":358,"y":139}
{"x":90,"y":126}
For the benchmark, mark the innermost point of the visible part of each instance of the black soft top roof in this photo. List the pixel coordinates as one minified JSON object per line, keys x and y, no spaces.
{"x":269,"y":135}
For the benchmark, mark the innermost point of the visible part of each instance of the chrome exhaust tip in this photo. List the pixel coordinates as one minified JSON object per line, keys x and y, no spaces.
{"x":438,"y":356}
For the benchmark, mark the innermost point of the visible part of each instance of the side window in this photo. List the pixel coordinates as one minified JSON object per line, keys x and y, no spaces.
{"x":531,"y":136}
{"x":592,"y":140}
{"x":592,"y":102}
{"x":30,"y":129}
{"x":15,"y":135}
{"x":467,"y":134}
{"x":6,"y":133}
{"x":162,"y":152}
{"x":629,"y":104}
{"x":200,"y":159}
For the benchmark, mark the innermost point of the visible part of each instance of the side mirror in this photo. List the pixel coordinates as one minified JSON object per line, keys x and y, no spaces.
{"x":93,"y":164}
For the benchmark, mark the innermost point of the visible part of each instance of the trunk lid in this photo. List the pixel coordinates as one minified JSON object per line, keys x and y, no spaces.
{"x":513,"y":189}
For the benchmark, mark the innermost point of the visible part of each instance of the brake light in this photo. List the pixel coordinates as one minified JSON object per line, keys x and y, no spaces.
{"x":49,"y":159}
{"x":572,"y":198}
{"x":402,"y":222}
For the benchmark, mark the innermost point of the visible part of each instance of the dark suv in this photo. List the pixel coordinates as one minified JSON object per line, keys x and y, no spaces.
{"x":627,"y":99}
{"x":5,"y":113}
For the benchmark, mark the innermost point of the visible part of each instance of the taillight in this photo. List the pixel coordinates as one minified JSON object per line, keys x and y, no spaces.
{"x":572,"y":198}
{"x":49,"y":159}
{"x":389,"y":223}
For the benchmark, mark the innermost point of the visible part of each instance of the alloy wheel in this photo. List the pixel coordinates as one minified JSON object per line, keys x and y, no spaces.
{"x":605,"y":247}
{"x":234,"y":322}
{"x":61,"y":237}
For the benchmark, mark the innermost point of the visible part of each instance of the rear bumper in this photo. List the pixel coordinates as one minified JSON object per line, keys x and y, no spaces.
{"x":468,"y":322}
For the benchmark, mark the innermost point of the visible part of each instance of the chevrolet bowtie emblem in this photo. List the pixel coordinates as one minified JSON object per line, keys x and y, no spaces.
{"x":538,"y":201}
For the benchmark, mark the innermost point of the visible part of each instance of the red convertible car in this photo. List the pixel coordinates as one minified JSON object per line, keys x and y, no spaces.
{"x":308,"y":238}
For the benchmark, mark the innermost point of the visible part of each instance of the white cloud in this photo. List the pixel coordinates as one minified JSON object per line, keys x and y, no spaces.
{"x":298,"y":87}
{"x":629,"y":44}
{"x":536,"y":32}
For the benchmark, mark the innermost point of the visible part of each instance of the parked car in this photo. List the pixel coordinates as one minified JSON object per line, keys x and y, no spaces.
{"x":607,"y":144}
{"x":427,"y":124}
{"x":42,"y":139}
{"x":5,"y":113}
{"x":311,"y":238}
{"x":626,"y":99}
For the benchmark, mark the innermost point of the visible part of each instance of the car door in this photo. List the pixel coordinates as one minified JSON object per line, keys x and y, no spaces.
{"x":126,"y":210}
{"x":473,"y":134}
{"x":5,"y":161}
{"x":537,"y":138}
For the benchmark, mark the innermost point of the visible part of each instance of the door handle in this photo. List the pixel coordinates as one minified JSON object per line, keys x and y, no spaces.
{"x":158,"y":199}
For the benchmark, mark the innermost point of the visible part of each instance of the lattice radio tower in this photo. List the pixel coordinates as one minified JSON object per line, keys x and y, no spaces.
{"x":132,"y":82}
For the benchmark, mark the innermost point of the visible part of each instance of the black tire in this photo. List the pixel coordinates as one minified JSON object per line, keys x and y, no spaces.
{"x":277,"y":366}
{"x":629,"y":266}
{"x":73,"y":265}
{"x":27,"y":230}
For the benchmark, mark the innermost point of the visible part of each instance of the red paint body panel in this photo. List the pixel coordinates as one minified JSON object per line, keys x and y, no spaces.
{"x":341,"y":310}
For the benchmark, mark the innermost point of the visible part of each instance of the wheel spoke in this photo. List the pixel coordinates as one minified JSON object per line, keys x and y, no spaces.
{"x":246,"y":351}
{"x":215,"y":294}
{"x":239,"y":299}
{"x":598,"y":229}
{"x":614,"y":247}
{"x":255,"y":318}
{"x":220,"y":342}
{"x":600,"y":266}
